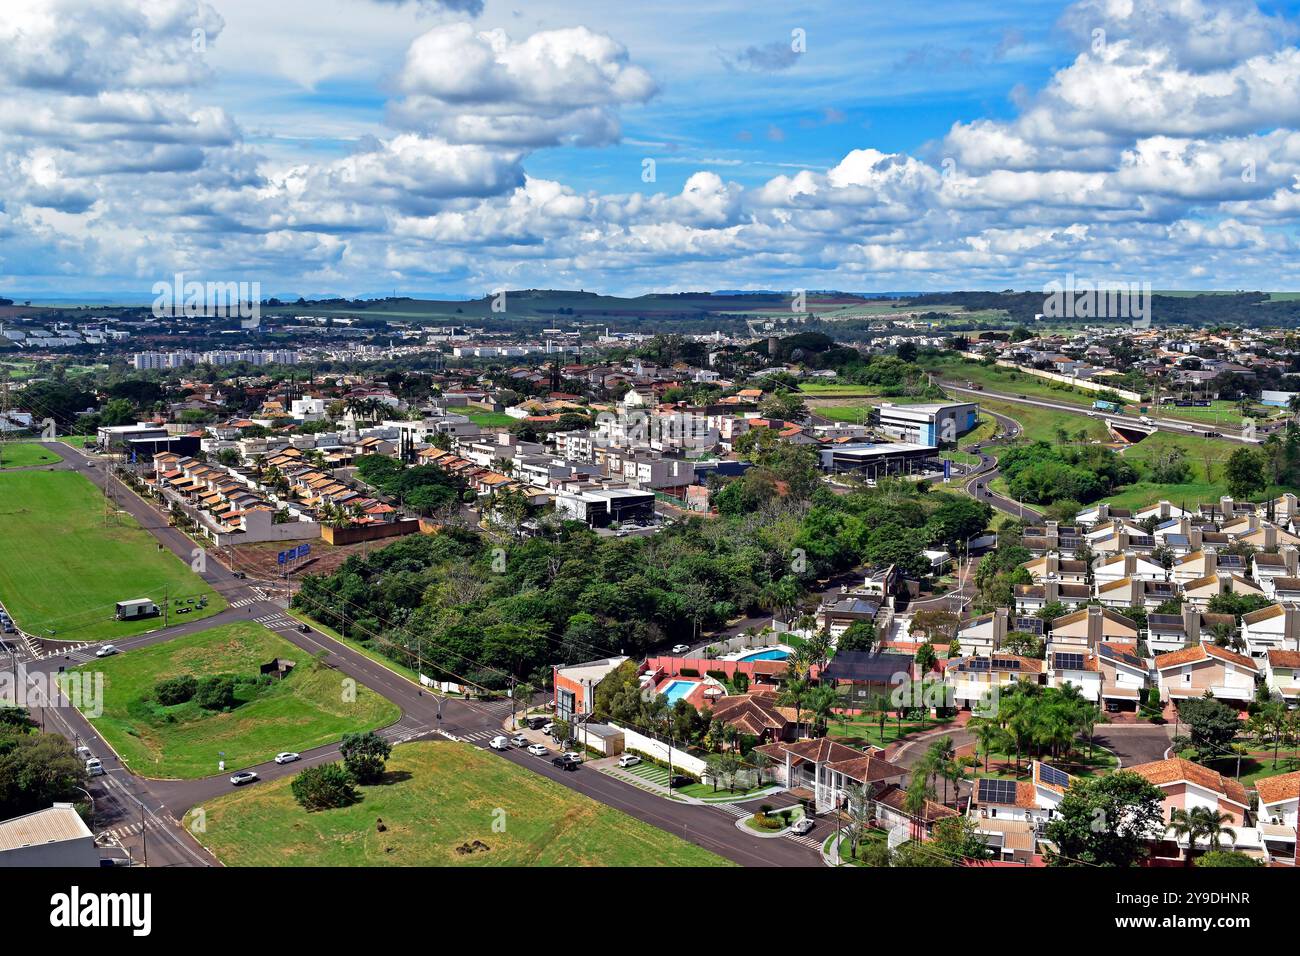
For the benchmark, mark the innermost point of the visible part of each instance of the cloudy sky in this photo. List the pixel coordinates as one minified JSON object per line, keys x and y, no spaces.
{"x":357,"y":147}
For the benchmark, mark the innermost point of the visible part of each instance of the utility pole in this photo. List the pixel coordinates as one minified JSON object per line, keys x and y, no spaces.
{"x":144,"y":833}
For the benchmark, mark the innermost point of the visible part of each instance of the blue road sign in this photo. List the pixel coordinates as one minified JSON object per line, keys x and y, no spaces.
{"x":282,"y":557}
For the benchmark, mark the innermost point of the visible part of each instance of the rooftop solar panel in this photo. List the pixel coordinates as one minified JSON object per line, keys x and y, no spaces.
{"x":1069,"y":662}
{"x":1049,"y":774}
{"x":997,"y":791}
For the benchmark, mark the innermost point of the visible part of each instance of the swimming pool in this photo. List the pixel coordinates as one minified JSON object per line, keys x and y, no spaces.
{"x":774,"y":655}
{"x":676,"y":690}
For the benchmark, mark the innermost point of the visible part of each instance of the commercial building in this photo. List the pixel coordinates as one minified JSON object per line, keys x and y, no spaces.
{"x":48,"y":838}
{"x":934,"y":424}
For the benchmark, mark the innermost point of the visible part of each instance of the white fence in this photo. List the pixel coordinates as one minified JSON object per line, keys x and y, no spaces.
{"x":1088,"y":385}
{"x":659,"y":751}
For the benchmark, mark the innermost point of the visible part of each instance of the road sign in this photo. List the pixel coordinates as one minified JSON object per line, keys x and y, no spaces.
{"x":282,"y":557}
{"x":302,"y":550}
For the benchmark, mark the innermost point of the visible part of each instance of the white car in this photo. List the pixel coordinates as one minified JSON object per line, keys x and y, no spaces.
{"x":628,"y":760}
{"x":499,"y":743}
{"x":519,"y":740}
{"x":95,"y":767}
{"x":548,"y":727}
{"x":572,"y":755}
{"x":287,"y":757}
{"x":681,"y":648}
{"x":801,"y":826}
{"x":537,"y":750}
{"x":242,"y":777}
{"x":108,"y":650}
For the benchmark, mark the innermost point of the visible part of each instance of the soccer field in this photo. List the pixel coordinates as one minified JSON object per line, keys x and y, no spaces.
{"x":62,"y":567}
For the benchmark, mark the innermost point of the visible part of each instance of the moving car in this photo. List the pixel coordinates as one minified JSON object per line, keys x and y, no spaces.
{"x":565,"y":762}
{"x":95,"y":767}
{"x":680,"y":648}
{"x":519,"y":740}
{"x":802,"y":825}
{"x":537,"y":750}
{"x":499,"y":743}
{"x":628,"y":760}
{"x":242,"y":777}
{"x":572,"y":755}
{"x":287,"y":757}
{"x":108,"y":650}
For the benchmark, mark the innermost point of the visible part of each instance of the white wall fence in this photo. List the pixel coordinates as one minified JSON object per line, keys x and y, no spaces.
{"x":659,"y":751}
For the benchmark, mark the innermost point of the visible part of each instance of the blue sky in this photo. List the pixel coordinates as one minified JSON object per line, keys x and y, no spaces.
{"x":351,"y":146}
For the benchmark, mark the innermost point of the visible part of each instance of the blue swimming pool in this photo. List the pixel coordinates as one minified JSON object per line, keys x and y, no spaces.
{"x":765,"y":656}
{"x":676,"y":690}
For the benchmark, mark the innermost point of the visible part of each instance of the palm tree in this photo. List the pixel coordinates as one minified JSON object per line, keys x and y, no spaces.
{"x":821,"y":703}
{"x":795,"y":694}
{"x":988,"y":734}
{"x":1200,"y":822}
{"x":919,"y":792}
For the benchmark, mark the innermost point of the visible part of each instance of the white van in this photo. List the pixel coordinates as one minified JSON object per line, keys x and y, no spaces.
{"x":499,"y":743}
{"x":95,"y":767}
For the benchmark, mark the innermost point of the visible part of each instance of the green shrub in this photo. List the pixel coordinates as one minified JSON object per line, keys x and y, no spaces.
{"x":216,"y":692}
{"x":175,"y":690}
{"x":688,"y":672}
{"x":324,"y":787}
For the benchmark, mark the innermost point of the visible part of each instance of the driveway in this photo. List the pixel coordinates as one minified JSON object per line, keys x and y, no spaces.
{"x":1136,"y":743}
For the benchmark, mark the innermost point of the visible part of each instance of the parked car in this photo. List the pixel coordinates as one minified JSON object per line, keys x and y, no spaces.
{"x":681,"y":648}
{"x":628,"y":760}
{"x":573,"y":755}
{"x":242,"y":777}
{"x":95,"y":767}
{"x":83,"y":752}
{"x":536,"y":723}
{"x":548,"y":727}
{"x":519,"y":740}
{"x":287,"y":757}
{"x":537,"y":750}
{"x":802,"y":825}
{"x":680,"y":780}
{"x":499,"y":743}
{"x":108,"y":650}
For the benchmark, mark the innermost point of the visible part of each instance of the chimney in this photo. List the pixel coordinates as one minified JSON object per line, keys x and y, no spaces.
{"x":1052,"y":527}
{"x":1194,"y":538}
{"x":1103,"y":512}
{"x":1164,"y":510}
{"x":1292,"y":559}
{"x":1225,"y":507}
{"x":1130,"y":563}
{"x":1290,"y":627}
{"x":1270,"y":534}
{"x":1211,"y":563}
{"x":1000,"y":616}
{"x":1122,"y":539}
{"x":1051,"y":591}
{"x":1053,"y":567}
{"x":1289,"y":503}
{"x":1192,"y":623}
{"x":1095,"y":622}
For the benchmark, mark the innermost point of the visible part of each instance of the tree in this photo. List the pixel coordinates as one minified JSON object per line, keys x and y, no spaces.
{"x":926,"y":658}
{"x":861,"y":811}
{"x":1106,"y":821}
{"x":1200,"y":823}
{"x":324,"y":787}
{"x":1211,"y":725}
{"x":36,"y":769}
{"x":959,"y":837}
{"x":364,"y":755}
{"x":858,"y":636}
{"x":1245,"y":472}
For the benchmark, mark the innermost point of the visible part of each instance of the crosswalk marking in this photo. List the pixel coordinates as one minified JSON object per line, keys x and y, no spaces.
{"x":480,"y":735}
{"x":806,"y":841}
{"x":276,"y":621}
{"x":244,"y":602}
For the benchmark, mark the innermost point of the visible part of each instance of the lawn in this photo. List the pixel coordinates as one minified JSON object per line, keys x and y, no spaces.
{"x":865,"y":729}
{"x":62,"y":567}
{"x":1255,"y":766}
{"x":436,"y":798}
{"x":1040,"y":424}
{"x":1003,"y":765}
{"x":310,"y":707}
{"x":1201,"y":454}
{"x":855,"y":413}
{"x":1009,"y":381}
{"x":489,"y":419}
{"x":26,"y":454}
{"x":838,"y":390}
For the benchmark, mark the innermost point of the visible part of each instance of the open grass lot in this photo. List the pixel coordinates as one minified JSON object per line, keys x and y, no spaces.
{"x":853,"y":412}
{"x":485,"y":418}
{"x":1040,"y":424}
{"x":77,"y":441}
{"x":1256,"y":766}
{"x":437,"y":797}
{"x":1217,"y":412}
{"x":1008,"y":381}
{"x":307,"y":709}
{"x":62,"y":569}
{"x":1202,"y":454}
{"x":837,"y":390}
{"x":26,"y":454}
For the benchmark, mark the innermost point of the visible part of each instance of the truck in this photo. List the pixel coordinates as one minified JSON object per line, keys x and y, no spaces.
{"x":136,"y":608}
{"x":1105,"y":406}
{"x":975,"y":386}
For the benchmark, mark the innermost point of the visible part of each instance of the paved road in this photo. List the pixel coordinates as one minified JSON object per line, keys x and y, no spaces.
{"x":977,"y":481}
{"x":1136,"y":743}
{"x":1171,"y":424}
{"x":124,"y":798}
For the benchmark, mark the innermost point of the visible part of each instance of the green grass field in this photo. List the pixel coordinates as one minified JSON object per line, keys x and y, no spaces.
{"x":438,"y":797}
{"x":309,"y":708}
{"x":62,"y":569}
{"x":1040,"y":424}
{"x":26,"y":454}
{"x":1008,"y":381}
{"x":837,"y":390}
{"x":487,"y":419}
